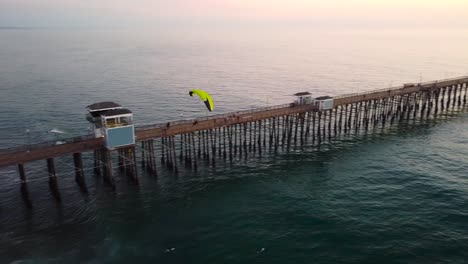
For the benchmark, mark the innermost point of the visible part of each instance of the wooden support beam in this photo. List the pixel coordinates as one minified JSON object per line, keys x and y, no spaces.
{"x":53,"y":179}
{"x":97,"y":162}
{"x":51,"y":170}
{"x":79,"y":175}
{"x":22,"y":173}
{"x":107,"y":161}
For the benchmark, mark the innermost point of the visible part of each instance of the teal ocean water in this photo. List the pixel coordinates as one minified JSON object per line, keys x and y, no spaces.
{"x":394,"y":195}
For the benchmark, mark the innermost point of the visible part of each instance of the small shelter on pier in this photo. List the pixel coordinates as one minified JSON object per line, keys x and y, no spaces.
{"x":303,"y":98}
{"x":324,"y":102}
{"x":113,"y":122}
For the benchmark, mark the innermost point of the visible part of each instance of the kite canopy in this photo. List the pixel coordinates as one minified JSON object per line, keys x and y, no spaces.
{"x":205,"y":97}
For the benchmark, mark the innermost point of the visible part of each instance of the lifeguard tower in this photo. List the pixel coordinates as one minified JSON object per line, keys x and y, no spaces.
{"x":113,"y":122}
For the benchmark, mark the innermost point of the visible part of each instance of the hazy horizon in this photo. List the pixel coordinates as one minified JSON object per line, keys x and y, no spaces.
{"x":366,"y":14}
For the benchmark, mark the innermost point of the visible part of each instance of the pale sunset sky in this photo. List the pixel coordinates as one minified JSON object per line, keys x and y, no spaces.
{"x":446,"y":14}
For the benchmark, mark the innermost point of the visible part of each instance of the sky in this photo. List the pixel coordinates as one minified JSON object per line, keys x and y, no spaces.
{"x":445,"y":14}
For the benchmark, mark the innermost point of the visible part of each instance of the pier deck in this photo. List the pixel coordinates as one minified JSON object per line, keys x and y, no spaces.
{"x":48,"y":150}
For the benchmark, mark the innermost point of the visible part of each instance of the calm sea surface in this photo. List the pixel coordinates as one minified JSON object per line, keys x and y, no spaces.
{"x":398,"y":195}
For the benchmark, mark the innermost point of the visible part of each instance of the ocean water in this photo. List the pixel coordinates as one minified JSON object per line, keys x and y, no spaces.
{"x":397,"y":195}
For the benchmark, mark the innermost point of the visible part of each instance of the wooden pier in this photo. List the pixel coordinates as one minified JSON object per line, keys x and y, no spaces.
{"x":240,"y":134}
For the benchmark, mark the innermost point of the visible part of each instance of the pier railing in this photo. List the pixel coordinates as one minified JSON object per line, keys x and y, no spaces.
{"x":139,"y":128}
{"x":185,"y":121}
{"x":398,"y":87}
{"x":47,"y":143}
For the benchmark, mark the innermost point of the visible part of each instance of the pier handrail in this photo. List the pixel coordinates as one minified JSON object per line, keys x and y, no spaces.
{"x":47,"y":143}
{"x":399,"y":87}
{"x":184,"y":121}
{"x":139,"y":128}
